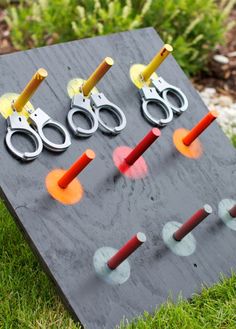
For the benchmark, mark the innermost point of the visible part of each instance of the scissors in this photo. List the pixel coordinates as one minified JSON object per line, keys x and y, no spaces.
{"x":158,"y":94}
{"x":91,"y":109}
{"x":33,"y":128}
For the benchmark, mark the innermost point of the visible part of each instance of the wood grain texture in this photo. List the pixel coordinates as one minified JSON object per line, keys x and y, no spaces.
{"x":114,"y":207}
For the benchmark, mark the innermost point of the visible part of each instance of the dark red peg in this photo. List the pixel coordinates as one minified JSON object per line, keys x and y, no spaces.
{"x":125,"y":251}
{"x":192,"y":222}
{"x":232,"y":211}
{"x":142,"y":146}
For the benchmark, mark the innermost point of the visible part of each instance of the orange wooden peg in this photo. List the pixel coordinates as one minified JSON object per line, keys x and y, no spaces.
{"x":63,"y":185}
{"x":200,"y":127}
{"x":76,"y":168}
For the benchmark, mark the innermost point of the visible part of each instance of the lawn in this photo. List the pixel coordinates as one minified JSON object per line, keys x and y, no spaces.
{"x":28,"y":299}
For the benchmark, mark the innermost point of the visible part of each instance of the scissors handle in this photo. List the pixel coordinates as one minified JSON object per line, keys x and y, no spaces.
{"x":150,"y":95}
{"x":165,"y":89}
{"x":18,"y":124}
{"x":39,"y":120}
{"x":100,"y":102}
{"x":81,"y":104}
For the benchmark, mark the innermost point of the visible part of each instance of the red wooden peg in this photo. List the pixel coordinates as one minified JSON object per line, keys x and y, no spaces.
{"x":125,"y":251}
{"x":232,"y":211}
{"x":76,"y":168}
{"x":200,"y":127}
{"x":142,"y":146}
{"x":192,"y":222}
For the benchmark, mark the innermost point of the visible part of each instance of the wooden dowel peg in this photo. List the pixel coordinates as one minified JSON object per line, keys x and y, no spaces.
{"x":227,"y":213}
{"x":96,"y":76}
{"x":192,"y":222}
{"x":135,"y":242}
{"x":76,"y":168}
{"x":142,"y":146}
{"x":30,"y":89}
{"x":232,"y":211}
{"x":130,"y":161}
{"x":156,"y":61}
{"x":200,"y":127}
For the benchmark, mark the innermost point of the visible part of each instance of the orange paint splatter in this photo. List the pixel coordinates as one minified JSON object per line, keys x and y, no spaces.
{"x":193,"y":151}
{"x":69,"y":195}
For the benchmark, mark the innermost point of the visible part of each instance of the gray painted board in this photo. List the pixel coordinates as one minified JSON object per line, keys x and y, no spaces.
{"x":114,"y":208}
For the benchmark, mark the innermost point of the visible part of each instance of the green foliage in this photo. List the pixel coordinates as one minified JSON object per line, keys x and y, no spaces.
{"x":214,"y":308}
{"x":234,"y":140}
{"x":193,"y":27}
{"x":103,"y":17}
{"x":36,"y":23}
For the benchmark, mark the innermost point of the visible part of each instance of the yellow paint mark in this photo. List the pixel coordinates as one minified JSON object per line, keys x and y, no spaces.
{"x":6,"y":108}
{"x":69,"y":195}
{"x":136,"y":75}
{"x":74,"y":87}
{"x":156,"y":61}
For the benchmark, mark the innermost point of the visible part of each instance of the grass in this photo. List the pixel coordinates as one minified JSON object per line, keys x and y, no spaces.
{"x":214,"y":308}
{"x":28,"y":299}
{"x":234,"y":141}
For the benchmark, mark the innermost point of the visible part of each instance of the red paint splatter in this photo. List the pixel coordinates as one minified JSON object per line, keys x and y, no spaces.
{"x":137,"y":171}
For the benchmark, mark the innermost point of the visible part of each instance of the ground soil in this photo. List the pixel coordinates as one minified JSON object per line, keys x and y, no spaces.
{"x":222,"y":77}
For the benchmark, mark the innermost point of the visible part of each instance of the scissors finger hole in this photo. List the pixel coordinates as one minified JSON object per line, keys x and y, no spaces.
{"x":54,"y":134}
{"x":108,"y":117}
{"x":174,"y":98}
{"x":82,"y":120}
{"x":157,"y":110}
{"x":22,"y":142}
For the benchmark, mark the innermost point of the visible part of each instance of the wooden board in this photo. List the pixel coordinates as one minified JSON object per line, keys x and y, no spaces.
{"x":114,"y":208}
